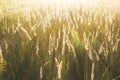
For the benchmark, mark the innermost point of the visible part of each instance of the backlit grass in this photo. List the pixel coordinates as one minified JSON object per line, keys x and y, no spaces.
{"x":59,"y":40}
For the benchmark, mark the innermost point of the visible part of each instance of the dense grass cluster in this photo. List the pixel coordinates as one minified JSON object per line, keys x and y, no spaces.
{"x":59,"y":42}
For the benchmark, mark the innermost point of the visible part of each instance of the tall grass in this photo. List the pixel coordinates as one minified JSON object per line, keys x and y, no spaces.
{"x":56,"y":42}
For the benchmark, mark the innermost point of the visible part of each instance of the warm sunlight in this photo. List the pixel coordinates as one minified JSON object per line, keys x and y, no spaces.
{"x":32,"y":3}
{"x":85,"y":2}
{"x":62,"y":3}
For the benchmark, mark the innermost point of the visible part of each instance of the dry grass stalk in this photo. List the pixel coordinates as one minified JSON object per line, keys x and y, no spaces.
{"x":1,"y":56}
{"x":37,"y":48}
{"x":59,"y":67}
{"x":18,"y":26}
{"x":41,"y":73}
{"x":92,"y":71}
{"x":6,"y":46}
{"x":26,"y":33}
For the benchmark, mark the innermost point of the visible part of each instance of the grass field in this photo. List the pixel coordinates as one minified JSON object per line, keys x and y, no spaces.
{"x":59,"y":40}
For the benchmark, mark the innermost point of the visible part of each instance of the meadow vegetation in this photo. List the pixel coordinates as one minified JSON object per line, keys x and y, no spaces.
{"x":59,"y":42}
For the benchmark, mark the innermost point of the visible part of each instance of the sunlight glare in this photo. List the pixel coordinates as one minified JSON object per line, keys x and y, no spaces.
{"x":47,"y":2}
{"x":55,"y":3}
{"x":86,"y":2}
